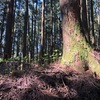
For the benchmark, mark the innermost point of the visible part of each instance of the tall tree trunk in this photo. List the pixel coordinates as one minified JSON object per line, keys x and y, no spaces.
{"x":84,"y":21}
{"x":13,"y":39}
{"x":42,"y":33}
{"x":98,"y":8}
{"x":25,"y":29}
{"x":76,"y":52}
{"x":32,"y":43}
{"x":92,"y":24}
{"x":35,"y":23}
{"x":88,"y":18}
{"x":9,"y":28}
{"x":2,"y":29}
{"x":52,"y":22}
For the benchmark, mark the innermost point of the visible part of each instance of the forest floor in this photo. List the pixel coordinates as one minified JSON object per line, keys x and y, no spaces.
{"x":54,"y":82}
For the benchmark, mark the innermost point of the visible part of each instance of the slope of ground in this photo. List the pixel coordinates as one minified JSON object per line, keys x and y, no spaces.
{"x":54,"y":82}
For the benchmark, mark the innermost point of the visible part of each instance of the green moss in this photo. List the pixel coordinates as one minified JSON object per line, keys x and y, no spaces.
{"x":83,"y":49}
{"x":76,"y":46}
{"x":68,"y":57}
{"x":76,"y":29}
{"x":94,"y":64}
{"x":84,"y":55}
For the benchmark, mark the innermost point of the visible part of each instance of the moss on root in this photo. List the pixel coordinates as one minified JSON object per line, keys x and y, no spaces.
{"x":94,"y":64}
{"x":78,"y":46}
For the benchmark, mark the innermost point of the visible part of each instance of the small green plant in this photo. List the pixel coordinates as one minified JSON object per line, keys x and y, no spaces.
{"x":45,"y":58}
{"x":13,"y":59}
{"x":25,"y":58}
{"x":1,"y":60}
{"x":55,"y":55}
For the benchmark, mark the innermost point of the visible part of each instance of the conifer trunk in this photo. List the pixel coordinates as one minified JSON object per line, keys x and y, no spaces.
{"x":76,"y":51}
{"x":9,"y":31}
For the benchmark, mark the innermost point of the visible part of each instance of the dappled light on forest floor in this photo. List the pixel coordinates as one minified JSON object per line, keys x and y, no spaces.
{"x":55,"y":82}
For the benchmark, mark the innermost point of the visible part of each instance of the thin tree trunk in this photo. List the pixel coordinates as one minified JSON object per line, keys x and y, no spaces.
{"x":25,"y":29}
{"x":92,"y":24}
{"x":98,"y":7}
{"x":42,"y":33}
{"x":32,"y":46}
{"x":2,"y":28}
{"x":9,"y":28}
{"x":84,"y":21}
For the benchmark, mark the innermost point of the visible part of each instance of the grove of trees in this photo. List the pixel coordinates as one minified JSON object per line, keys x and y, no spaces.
{"x":49,"y":49}
{"x":31,"y":31}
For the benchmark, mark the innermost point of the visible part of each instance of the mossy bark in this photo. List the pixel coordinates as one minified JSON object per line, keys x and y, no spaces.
{"x":76,"y":51}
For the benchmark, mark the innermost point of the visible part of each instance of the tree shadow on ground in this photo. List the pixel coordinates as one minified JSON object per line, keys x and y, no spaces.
{"x":50,"y":84}
{"x":36,"y":94}
{"x":78,"y":87}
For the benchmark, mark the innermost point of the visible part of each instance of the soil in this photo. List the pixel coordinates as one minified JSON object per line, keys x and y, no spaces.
{"x":53,"y":82}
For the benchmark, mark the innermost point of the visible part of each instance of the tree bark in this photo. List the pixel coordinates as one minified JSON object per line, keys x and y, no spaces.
{"x":42,"y":33}
{"x":25,"y":29}
{"x":98,"y":8}
{"x":92,"y":25}
{"x":2,"y":29}
{"x":76,"y":51}
{"x":84,"y":21}
{"x":9,"y":28}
